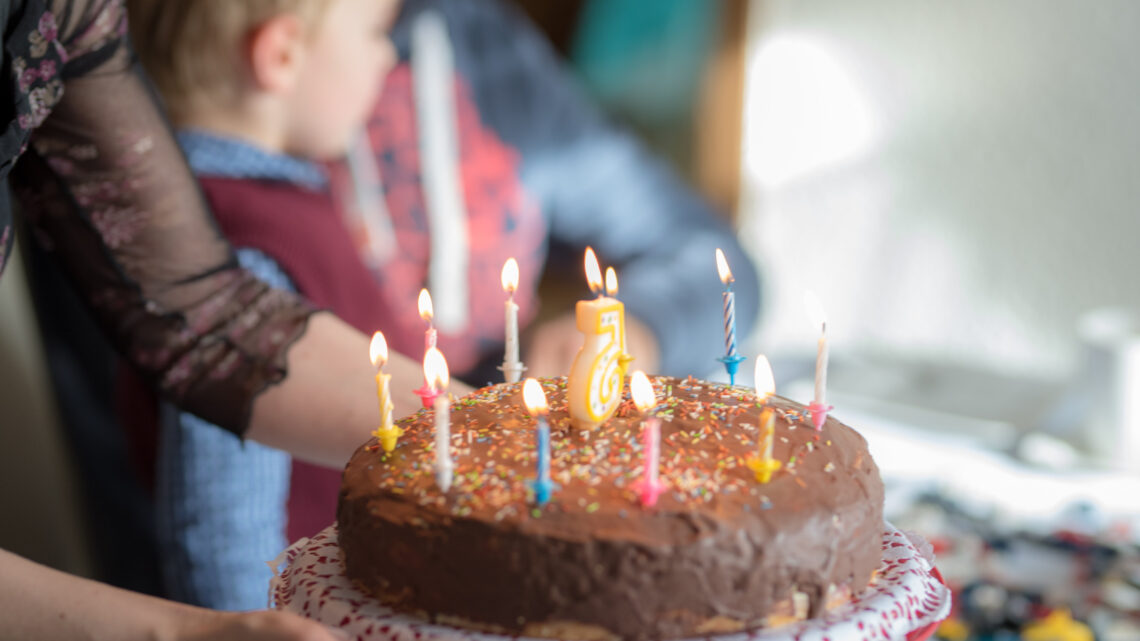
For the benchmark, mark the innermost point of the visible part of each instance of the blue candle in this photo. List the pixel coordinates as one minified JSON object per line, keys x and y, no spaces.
{"x":731,"y":358}
{"x":535,"y":400}
{"x":542,"y":485}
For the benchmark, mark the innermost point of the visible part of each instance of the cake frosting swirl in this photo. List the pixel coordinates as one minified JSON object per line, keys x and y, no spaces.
{"x":719,"y":552}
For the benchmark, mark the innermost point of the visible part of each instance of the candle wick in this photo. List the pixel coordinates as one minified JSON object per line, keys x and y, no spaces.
{"x":824,"y":331}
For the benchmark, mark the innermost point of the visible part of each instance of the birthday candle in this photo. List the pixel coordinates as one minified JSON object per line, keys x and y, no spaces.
{"x":426,"y":392}
{"x":535,"y":400}
{"x":649,"y":487}
{"x":435,"y":370}
{"x":625,"y":358}
{"x":729,"y":304}
{"x":427,"y":312}
{"x":594,"y":388}
{"x":819,"y":407}
{"x":731,"y":358}
{"x":763,"y":464}
{"x":512,"y":368}
{"x":387,"y":433}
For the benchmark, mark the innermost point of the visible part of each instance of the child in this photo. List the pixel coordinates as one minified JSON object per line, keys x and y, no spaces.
{"x":220,"y":503}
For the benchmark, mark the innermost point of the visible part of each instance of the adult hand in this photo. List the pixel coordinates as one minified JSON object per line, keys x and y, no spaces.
{"x":266,"y":625}
{"x":552,"y":346}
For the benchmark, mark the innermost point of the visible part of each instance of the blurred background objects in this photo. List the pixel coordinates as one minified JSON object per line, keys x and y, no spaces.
{"x":956,"y":182}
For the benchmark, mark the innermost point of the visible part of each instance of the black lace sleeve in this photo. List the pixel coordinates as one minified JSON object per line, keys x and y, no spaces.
{"x":108,"y":193}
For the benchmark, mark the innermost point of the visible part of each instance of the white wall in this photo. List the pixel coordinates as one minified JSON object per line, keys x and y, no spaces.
{"x":982,"y":185}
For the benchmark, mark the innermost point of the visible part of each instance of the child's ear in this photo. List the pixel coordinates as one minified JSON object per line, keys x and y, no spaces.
{"x":276,"y":50}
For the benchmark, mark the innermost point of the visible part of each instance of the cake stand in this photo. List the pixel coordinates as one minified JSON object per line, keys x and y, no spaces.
{"x":905,"y":601}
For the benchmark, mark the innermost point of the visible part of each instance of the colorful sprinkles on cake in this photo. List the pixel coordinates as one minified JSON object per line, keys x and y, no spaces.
{"x":494,"y":449}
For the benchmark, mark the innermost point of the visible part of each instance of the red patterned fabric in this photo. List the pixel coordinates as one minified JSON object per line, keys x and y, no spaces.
{"x":502,"y":220}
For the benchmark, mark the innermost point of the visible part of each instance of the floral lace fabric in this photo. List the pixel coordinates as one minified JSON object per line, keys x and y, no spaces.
{"x":106,"y":190}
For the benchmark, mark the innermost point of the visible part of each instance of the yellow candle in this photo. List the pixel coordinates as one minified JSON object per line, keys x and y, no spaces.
{"x":594,"y":388}
{"x":387,"y":433}
{"x":763,"y":464}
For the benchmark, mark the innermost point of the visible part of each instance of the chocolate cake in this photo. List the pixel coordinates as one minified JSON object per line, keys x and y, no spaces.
{"x":719,"y":552}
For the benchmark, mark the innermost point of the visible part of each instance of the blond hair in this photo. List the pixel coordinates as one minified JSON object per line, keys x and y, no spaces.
{"x":192,"y":48}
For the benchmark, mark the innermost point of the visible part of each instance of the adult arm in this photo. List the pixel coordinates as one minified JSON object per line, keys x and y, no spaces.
{"x":47,"y":605}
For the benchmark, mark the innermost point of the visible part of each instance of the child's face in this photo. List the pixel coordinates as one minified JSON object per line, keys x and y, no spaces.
{"x":346,"y":62}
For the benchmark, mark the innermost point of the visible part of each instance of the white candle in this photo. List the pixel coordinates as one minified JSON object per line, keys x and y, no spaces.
{"x":435,"y":371}
{"x":512,"y":366}
{"x":444,"y":468}
{"x":817,"y":316}
{"x":821,"y":355}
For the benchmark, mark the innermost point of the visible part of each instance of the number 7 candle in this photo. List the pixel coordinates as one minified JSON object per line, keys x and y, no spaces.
{"x":594,"y":389}
{"x":611,"y":290}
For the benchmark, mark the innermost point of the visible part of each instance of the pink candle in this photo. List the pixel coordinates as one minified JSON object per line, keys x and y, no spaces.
{"x":427,"y":393}
{"x":427,"y":312}
{"x":650,"y":486}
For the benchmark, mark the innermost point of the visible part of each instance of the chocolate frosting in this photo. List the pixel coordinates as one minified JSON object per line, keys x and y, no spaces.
{"x":719,"y":551}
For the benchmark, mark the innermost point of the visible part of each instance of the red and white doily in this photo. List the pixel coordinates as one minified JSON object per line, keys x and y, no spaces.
{"x":905,"y":600}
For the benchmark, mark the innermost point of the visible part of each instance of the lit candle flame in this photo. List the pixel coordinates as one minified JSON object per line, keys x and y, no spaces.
{"x":534,"y":398}
{"x":765,"y":381}
{"x":642,"y":391}
{"x":593,"y":272}
{"x":722,"y":267}
{"x":510,"y":276}
{"x":435,"y":369}
{"x":378,"y":350}
{"x":426,"y":309}
{"x":815,"y":310}
{"x":611,"y":282}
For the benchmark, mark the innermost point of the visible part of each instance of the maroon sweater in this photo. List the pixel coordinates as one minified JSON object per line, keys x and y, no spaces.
{"x":302,"y":231}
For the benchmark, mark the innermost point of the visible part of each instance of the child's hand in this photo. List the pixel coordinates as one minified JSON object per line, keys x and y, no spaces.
{"x":553,"y":345}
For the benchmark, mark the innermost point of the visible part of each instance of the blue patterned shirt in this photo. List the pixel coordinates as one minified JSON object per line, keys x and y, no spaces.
{"x":221,"y":502}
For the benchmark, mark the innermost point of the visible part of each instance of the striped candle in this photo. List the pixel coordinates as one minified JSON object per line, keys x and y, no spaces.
{"x":729,"y":304}
{"x":729,"y":322}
